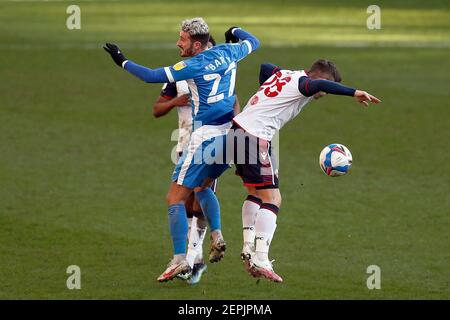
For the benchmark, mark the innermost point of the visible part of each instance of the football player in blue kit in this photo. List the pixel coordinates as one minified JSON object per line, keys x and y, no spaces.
{"x":176,"y":95}
{"x":211,"y":75}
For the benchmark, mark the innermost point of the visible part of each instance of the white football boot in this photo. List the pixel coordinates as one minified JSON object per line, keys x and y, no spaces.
{"x":263,"y":269}
{"x":248,"y":250}
{"x":174,"y":268}
{"x":218,"y":247}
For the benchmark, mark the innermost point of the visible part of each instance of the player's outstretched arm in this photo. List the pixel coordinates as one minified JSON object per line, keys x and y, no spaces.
{"x":309,"y":87}
{"x":143,"y":73}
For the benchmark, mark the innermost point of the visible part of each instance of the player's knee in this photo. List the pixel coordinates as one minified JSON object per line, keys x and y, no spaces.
{"x":169,"y":199}
{"x":252,"y":191}
{"x":196,"y":206}
{"x":272,"y":196}
{"x":278,"y":200}
{"x":189,"y":203}
{"x":173,"y":198}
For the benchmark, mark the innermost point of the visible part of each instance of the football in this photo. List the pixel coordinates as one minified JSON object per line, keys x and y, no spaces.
{"x":335,"y":160}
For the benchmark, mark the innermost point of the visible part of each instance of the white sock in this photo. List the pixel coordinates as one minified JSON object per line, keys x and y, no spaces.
{"x":189,"y":225}
{"x":249,"y":210}
{"x":265,"y":225}
{"x":196,"y":237}
{"x":202,"y":226}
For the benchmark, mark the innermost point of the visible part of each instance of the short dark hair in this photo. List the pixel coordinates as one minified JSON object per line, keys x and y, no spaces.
{"x":326,"y":66}
{"x":202,"y":38}
{"x":211,"y":39}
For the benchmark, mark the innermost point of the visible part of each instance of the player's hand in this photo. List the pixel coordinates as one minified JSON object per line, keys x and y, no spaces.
{"x":115,"y":53}
{"x":229,"y":37}
{"x":364,"y":98}
{"x":182,"y":100}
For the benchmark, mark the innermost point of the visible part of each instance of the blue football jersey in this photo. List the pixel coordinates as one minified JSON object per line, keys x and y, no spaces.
{"x":211,"y":76}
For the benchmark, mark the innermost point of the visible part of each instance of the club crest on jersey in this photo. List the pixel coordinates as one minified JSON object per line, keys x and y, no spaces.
{"x":180,"y":65}
{"x":254,"y":100}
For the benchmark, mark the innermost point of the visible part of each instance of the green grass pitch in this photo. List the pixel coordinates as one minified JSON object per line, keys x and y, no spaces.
{"x":84,"y":167}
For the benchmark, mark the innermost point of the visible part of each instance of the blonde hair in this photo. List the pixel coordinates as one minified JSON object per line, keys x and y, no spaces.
{"x":195,"y":26}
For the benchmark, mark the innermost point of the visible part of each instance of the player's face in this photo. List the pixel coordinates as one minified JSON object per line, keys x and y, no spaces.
{"x":188,"y":48}
{"x":184,"y":43}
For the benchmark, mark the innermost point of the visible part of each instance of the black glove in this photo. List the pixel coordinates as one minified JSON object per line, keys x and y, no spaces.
{"x":115,"y":53}
{"x":229,"y":37}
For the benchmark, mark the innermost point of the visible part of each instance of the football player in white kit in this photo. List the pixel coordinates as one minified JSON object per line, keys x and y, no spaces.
{"x":282,"y":95}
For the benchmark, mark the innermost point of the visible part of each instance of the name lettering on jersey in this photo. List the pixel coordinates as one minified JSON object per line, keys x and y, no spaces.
{"x":217,"y":63}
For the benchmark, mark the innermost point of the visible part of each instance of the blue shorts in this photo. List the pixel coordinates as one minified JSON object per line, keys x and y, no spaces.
{"x":204,"y":157}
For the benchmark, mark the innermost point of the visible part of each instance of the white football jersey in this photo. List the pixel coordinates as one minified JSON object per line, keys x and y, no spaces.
{"x":184,"y":118}
{"x":277,"y":101}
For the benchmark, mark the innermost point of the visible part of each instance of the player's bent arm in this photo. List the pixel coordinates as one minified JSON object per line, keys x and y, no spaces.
{"x":163,"y":105}
{"x":246,"y":37}
{"x":266,"y":71}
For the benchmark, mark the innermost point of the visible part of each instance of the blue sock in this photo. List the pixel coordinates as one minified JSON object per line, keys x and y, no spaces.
{"x":210,"y":207}
{"x":178,"y":224}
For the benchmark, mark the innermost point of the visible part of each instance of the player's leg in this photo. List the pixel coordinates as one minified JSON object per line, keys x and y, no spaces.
{"x":211,"y":209}
{"x":196,"y":229}
{"x":248,"y":167}
{"x":202,"y":226}
{"x":197,"y":234}
{"x":250,"y":208}
{"x":195,"y":247}
{"x":192,"y":235}
{"x":265,"y":225}
{"x":198,"y":170}
{"x":191,"y":173}
{"x":183,"y":182}
{"x":196,"y":240}
{"x":261,"y":180}
{"x":178,"y":225}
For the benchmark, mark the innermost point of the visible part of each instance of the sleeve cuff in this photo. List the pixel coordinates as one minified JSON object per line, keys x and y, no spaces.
{"x":123,"y":63}
{"x":232,"y":30}
{"x":249,"y":46}
{"x":169,"y":74}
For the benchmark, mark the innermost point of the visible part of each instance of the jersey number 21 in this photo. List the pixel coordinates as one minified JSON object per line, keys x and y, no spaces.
{"x":213,"y":96}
